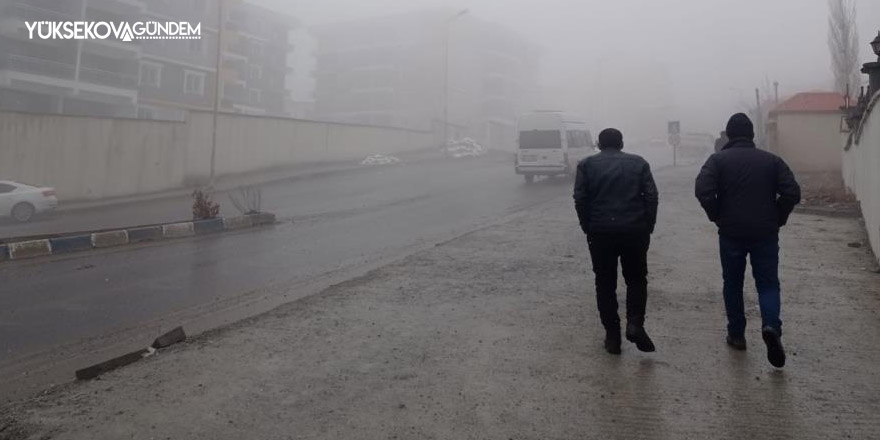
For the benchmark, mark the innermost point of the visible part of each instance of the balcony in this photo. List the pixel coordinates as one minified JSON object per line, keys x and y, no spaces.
{"x":107,"y":78}
{"x":38,"y":66}
{"x":35,"y":13}
{"x":66,"y":72}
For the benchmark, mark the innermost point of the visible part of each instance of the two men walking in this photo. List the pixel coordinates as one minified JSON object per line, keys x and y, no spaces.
{"x":747,"y":192}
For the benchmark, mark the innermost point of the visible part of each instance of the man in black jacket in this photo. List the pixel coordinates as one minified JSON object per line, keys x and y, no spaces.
{"x":749,"y":194}
{"x":616,"y":202}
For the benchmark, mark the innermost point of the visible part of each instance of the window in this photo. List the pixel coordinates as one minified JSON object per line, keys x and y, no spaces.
{"x":255,"y":96}
{"x":194,"y":83}
{"x":540,"y":139}
{"x":6,"y":188}
{"x":195,"y":46}
{"x":255,"y":72}
{"x":150,"y":74}
{"x":578,"y":139}
{"x":146,"y":113}
{"x":256,"y":50}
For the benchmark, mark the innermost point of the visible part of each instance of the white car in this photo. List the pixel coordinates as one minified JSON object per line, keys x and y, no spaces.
{"x":22,"y":202}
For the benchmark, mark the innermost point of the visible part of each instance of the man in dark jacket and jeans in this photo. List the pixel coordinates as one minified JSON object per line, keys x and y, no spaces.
{"x":616,"y":202}
{"x":749,"y":194}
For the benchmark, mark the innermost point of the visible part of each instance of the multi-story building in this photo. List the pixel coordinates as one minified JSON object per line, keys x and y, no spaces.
{"x":390,"y":71}
{"x":300,"y":81}
{"x":98,"y":77}
{"x":254,"y":69}
{"x":145,"y":78}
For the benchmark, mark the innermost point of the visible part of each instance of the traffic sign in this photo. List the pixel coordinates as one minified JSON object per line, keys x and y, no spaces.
{"x":674,"y":127}
{"x":674,"y":139}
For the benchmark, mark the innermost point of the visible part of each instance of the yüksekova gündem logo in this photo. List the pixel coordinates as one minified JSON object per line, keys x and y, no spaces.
{"x":122,"y":31}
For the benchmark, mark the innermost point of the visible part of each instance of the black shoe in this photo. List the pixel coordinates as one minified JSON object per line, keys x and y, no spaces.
{"x":637,"y":335}
{"x":612,"y":341}
{"x":775,"y":352}
{"x":736,"y":342}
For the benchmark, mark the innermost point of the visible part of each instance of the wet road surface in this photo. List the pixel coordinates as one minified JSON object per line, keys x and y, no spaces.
{"x":326,"y":224}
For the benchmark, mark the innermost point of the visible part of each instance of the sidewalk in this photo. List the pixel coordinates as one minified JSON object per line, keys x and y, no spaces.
{"x":495,"y":335}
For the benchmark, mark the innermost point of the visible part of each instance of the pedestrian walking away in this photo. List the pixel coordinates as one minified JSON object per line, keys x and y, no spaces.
{"x":749,"y":194}
{"x":616,"y":202}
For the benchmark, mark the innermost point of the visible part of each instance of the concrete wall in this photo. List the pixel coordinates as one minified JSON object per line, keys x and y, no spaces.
{"x":93,"y":158}
{"x":809,"y":141}
{"x":861,"y":162}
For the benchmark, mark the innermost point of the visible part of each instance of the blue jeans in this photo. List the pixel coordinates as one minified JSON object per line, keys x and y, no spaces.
{"x":764,"y":256}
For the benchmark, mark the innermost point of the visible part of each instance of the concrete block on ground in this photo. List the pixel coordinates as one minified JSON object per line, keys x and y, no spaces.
{"x":147,"y":233}
{"x":4,"y":252}
{"x":262,"y":218}
{"x":168,"y":339}
{"x":66,"y":245}
{"x":109,"y":239}
{"x":178,"y":230}
{"x":209,"y":226}
{"x":241,"y":222}
{"x":117,"y":362}
{"x":29,"y":249}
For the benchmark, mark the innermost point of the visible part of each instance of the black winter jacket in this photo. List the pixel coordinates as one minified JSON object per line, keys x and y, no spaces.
{"x":615,"y":192}
{"x":749,"y":193}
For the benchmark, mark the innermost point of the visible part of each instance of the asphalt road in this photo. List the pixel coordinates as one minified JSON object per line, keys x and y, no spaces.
{"x":495,"y":335}
{"x":327,"y":224}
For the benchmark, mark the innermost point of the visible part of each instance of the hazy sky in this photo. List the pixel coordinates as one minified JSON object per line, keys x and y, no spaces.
{"x":712,"y":52}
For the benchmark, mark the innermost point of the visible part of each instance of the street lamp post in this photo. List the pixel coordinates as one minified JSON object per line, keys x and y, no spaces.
{"x":216,"y":107}
{"x":446,"y":78}
{"x":873,"y":69}
{"x":875,"y":45}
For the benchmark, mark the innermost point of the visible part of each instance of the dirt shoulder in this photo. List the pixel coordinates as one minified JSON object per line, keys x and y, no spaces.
{"x":495,"y":335}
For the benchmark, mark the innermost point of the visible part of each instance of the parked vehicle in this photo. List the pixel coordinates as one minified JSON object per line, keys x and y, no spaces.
{"x":551,"y":143}
{"x":22,"y":202}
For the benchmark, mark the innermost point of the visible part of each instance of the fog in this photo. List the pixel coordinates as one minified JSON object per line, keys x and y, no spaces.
{"x":392,"y":208}
{"x":599,"y":57}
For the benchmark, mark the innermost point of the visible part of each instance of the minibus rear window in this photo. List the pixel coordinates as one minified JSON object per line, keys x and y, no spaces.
{"x":540,"y":139}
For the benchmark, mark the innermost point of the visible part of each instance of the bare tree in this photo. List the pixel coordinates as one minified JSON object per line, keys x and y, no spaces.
{"x":843,"y":42}
{"x":247,"y":199}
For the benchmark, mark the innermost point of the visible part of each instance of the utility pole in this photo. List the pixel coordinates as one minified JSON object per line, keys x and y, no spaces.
{"x":776,"y":91}
{"x":760,"y":116}
{"x":446,"y":33}
{"x":216,"y":88}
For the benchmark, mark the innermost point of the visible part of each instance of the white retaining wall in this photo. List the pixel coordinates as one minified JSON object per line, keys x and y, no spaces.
{"x":861,"y":170}
{"x":93,"y":158}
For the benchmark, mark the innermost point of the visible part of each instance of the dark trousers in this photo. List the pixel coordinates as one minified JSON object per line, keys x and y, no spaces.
{"x":764,"y":256}
{"x":632,"y":250}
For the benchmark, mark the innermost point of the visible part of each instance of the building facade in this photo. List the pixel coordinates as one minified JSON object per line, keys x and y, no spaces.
{"x":98,"y":77}
{"x":805,"y":130}
{"x":392,"y":71}
{"x":146,"y":78}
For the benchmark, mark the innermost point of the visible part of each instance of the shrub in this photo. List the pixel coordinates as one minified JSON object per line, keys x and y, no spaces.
{"x":203,"y":207}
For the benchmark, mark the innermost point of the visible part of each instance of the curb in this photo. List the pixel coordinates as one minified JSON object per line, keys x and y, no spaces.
{"x":66,"y":245}
{"x":109,"y":239}
{"x":178,"y":230}
{"x":85,"y":241}
{"x":29,"y":249}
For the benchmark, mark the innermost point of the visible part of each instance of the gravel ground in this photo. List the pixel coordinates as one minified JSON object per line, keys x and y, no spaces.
{"x":495,"y":335}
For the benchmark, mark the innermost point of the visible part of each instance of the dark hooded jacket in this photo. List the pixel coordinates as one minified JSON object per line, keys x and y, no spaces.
{"x":749,"y":193}
{"x":615,"y":192}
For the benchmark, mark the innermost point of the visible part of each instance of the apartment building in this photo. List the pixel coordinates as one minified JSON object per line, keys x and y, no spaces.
{"x":145,"y":78}
{"x":98,"y":77}
{"x":390,"y":71}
